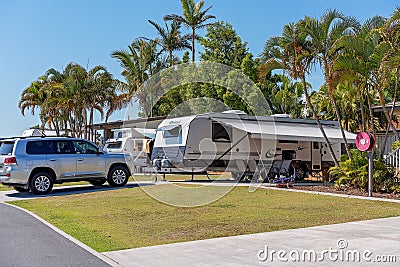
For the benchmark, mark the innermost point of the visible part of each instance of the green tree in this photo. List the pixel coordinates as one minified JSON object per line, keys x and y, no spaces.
{"x":388,"y":53}
{"x":67,"y":100}
{"x":139,"y":62}
{"x":284,"y":96}
{"x":358,"y":63}
{"x":194,"y":17}
{"x":323,"y":34}
{"x":186,"y":57}
{"x":293,"y":52}
{"x":222,"y":44}
{"x":170,"y":39}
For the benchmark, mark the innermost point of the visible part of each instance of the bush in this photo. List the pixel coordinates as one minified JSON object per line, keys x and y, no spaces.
{"x":355,"y":173}
{"x":395,"y":145}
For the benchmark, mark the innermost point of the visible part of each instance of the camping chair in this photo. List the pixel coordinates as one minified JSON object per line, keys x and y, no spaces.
{"x":284,"y":170}
{"x":275,"y":169}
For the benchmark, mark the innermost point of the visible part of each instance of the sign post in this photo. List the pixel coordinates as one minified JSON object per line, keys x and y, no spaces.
{"x":370,"y":168}
{"x":366,"y":142}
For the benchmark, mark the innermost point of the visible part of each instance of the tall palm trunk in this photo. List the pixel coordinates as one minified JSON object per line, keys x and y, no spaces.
{"x":171,"y":58}
{"x":339,"y":118}
{"x":91,"y":123}
{"x":371,"y":112}
{"x":385,"y":111}
{"x":361,"y":99}
{"x":316,"y":117}
{"x":391,"y":112}
{"x":193,"y":38}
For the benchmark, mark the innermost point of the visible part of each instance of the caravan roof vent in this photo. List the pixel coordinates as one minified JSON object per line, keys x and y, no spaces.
{"x":234,"y":111}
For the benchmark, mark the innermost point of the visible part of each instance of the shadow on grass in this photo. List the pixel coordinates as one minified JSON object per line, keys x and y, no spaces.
{"x":72,"y":190}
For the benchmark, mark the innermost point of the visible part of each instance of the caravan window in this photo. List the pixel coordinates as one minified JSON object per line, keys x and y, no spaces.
{"x":221,"y":133}
{"x":172,"y":134}
{"x":114,"y":145}
{"x":172,"y":131}
{"x":138,"y":145}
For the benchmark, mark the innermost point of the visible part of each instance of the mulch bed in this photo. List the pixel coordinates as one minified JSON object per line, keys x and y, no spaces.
{"x":348,"y":191}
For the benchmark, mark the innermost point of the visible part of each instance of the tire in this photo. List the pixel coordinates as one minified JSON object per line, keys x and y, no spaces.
{"x":118,"y":176}
{"x":41,"y":183}
{"x":301,"y":172}
{"x":21,"y":189}
{"x":97,"y":182}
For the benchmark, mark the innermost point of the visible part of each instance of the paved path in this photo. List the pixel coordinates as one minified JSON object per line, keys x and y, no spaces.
{"x":381,"y":237}
{"x":27,"y":242}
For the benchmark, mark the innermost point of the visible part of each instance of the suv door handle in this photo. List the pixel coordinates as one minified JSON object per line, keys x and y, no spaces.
{"x":80,"y":159}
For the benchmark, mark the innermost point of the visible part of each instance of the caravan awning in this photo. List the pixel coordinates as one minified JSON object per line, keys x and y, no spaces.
{"x":287,"y":130}
{"x":149,"y":133}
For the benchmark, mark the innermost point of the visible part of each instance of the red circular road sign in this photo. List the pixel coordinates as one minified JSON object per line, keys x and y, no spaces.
{"x":365,"y":141}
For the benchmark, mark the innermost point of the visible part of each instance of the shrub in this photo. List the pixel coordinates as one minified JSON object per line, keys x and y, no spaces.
{"x":395,"y":145}
{"x":355,"y":172}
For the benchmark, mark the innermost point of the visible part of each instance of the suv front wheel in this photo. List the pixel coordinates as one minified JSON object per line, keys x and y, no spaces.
{"x":41,"y":183}
{"x":118,"y":176}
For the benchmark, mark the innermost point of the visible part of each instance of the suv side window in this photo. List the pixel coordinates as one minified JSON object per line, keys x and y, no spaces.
{"x":38,"y":148}
{"x":82,"y":147}
{"x":63,"y":147}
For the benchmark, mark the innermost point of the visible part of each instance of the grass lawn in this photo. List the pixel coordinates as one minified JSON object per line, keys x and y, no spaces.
{"x":129,"y":218}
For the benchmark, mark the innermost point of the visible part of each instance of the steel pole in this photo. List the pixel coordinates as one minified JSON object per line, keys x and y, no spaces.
{"x":370,"y":168}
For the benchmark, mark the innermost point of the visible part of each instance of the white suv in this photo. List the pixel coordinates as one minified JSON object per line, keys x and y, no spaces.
{"x":36,"y":163}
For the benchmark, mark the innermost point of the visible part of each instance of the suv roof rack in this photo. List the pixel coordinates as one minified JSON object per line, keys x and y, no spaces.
{"x":26,"y":137}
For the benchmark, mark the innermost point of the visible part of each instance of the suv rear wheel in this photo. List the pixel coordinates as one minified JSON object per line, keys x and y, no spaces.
{"x":41,"y":183}
{"x":118,"y":176}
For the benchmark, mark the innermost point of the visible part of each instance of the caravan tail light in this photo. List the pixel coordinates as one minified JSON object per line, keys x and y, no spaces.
{"x":10,"y":161}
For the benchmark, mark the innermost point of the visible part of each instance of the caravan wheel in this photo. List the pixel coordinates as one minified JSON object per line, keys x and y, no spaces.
{"x":301,"y":172}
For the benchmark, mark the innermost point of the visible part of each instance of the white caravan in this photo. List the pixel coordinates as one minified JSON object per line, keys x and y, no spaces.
{"x":137,"y":142}
{"x":245,"y":145}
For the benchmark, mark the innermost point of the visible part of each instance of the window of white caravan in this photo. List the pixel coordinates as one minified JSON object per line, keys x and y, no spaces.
{"x":172,"y":134}
{"x":221,"y":133}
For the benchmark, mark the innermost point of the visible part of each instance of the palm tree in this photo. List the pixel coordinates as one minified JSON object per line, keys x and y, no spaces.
{"x":360,"y":62}
{"x":323,"y":34}
{"x":193,"y":17}
{"x":67,"y":100}
{"x":170,"y":39}
{"x":389,"y":61}
{"x":347,"y":99}
{"x":293,"y":52}
{"x":33,"y":96}
{"x":140,"y":62}
{"x":284,"y":95}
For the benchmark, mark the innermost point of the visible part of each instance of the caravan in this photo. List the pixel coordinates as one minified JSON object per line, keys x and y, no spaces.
{"x":245,"y":145}
{"x":135,"y":141}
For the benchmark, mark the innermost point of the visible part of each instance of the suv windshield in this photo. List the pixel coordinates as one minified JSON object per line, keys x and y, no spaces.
{"x":6,"y":148}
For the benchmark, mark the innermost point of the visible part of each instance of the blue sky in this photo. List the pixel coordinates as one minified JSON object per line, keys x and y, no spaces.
{"x":36,"y":35}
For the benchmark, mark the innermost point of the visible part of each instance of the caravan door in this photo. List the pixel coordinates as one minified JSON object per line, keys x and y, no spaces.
{"x":316,"y":157}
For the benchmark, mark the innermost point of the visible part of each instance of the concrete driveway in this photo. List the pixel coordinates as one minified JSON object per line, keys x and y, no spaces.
{"x":365,"y":243}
